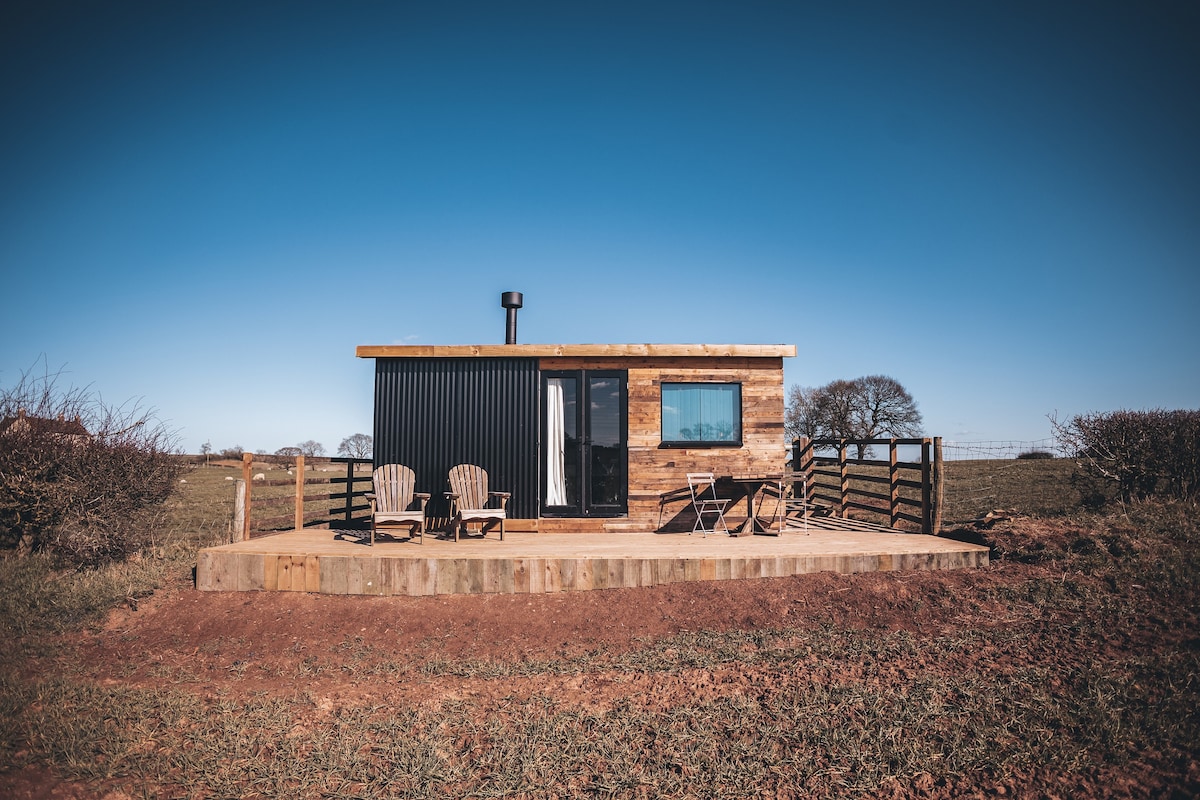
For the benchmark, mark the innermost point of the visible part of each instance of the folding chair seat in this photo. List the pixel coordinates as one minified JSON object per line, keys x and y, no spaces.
{"x":791,"y":509}
{"x":703,"y":488}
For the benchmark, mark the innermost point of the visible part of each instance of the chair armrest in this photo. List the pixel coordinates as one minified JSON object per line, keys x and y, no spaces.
{"x":502,"y":497}
{"x":421,"y":499}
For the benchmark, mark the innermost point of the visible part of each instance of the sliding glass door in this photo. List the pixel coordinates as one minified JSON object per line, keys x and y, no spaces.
{"x":584,"y":443}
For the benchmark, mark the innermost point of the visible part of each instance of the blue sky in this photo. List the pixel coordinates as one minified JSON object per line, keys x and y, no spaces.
{"x":207,"y":206}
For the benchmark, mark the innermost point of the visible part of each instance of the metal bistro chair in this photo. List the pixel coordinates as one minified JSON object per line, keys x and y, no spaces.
{"x":791,"y":507}
{"x":703,"y":488}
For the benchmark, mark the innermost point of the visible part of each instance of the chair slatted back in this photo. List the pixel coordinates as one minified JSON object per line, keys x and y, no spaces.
{"x":703,"y":486}
{"x":394,"y":487}
{"x":470,"y":483}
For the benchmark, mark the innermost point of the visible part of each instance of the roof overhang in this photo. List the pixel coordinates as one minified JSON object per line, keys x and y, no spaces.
{"x":576,"y":350}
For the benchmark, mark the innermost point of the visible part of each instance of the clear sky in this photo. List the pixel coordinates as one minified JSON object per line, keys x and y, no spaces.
{"x":207,"y":205}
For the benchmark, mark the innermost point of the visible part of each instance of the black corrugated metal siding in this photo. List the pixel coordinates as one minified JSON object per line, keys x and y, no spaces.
{"x":433,"y":413}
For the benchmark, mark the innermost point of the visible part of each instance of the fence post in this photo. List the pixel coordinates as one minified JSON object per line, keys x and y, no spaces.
{"x":938,"y":485}
{"x":802,"y":462}
{"x":926,"y":493}
{"x":844,"y":466}
{"x":247,"y":466}
{"x":351,"y":468}
{"x":894,"y":484}
{"x":299,"y":492}
{"x":239,"y":510}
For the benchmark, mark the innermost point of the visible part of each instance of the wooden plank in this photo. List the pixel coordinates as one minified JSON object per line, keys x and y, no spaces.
{"x":722,"y":569}
{"x":296,"y":573}
{"x":365,"y":576}
{"x":553,"y":575}
{"x":284,"y":573}
{"x":250,"y":572}
{"x":616,"y":573}
{"x":270,"y":572}
{"x":578,"y":351}
{"x":451,"y":576}
{"x":501,"y":575}
{"x":522,"y":582}
{"x":600,"y":573}
{"x":389,"y":576}
{"x":335,"y":575}
{"x":216,"y":571}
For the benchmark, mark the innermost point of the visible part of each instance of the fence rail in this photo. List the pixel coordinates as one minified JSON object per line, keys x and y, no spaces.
{"x":252,"y":510}
{"x":902,"y":491}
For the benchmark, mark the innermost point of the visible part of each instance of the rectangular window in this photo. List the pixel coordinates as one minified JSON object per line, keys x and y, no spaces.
{"x":701,"y":414}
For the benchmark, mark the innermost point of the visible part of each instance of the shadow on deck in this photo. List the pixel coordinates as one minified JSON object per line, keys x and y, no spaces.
{"x":328,"y":562}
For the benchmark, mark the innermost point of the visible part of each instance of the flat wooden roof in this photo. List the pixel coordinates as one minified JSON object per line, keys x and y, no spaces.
{"x":574,"y":350}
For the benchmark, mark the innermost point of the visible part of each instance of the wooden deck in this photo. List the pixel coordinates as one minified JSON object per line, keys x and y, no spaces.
{"x":318,"y":560}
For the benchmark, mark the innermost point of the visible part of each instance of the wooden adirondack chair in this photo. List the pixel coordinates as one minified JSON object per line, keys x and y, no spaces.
{"x":395,"y":503}
{"x":470,"y":500}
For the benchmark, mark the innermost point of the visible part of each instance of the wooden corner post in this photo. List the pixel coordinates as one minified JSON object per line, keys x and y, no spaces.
{"x":844,"y":470}
{"x":926,"y":487}
{"x":893,"y":485}
{"x":299,"y":492}
{"x":939,"y":481}
{"x":247,"y":467}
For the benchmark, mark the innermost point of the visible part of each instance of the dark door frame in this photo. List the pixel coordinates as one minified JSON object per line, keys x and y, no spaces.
{"x":584,"y":504}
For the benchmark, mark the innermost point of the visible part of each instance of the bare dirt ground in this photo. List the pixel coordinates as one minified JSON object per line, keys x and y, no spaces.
{"x":332,"y":649}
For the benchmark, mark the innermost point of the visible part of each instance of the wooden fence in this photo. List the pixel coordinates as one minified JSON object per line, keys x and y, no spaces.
{"x":257,"y":499}
{"x":899,"y":491}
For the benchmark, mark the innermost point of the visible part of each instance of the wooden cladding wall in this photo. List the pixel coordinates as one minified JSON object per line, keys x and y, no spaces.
{"x":653,"y":469}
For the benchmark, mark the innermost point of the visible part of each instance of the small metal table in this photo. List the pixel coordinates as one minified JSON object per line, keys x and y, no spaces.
{"x":751,"y":484}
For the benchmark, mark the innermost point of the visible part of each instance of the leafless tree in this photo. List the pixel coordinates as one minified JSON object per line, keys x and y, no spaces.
{"x":360,"y":445}
{"x":886,"y":409}
{"x":310,"y":448}
{"x":871,"y":407}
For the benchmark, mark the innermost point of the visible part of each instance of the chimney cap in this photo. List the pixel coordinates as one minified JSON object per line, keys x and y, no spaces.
{"x":511,"y":299}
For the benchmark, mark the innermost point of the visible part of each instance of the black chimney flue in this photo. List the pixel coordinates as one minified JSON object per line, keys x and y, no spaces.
{"x":511,"y":301}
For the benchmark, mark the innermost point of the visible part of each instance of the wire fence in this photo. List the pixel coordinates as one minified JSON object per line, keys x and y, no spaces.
{"x":1016,"y":477}
{"x":961,"y":451}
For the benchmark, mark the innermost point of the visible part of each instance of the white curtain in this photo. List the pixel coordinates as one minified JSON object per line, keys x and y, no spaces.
{"x":556,"y":444}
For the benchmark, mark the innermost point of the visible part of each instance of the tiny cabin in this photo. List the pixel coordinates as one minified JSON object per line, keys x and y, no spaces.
{"x":586,"y":438}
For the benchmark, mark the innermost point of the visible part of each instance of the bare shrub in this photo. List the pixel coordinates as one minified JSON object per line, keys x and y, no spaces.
{"x":78,"y":478}
{"x":1132,"y":455}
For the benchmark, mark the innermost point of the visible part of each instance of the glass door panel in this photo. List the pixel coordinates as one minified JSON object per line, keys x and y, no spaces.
{"x":584,"y":444}
{"x":605,"y":443}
